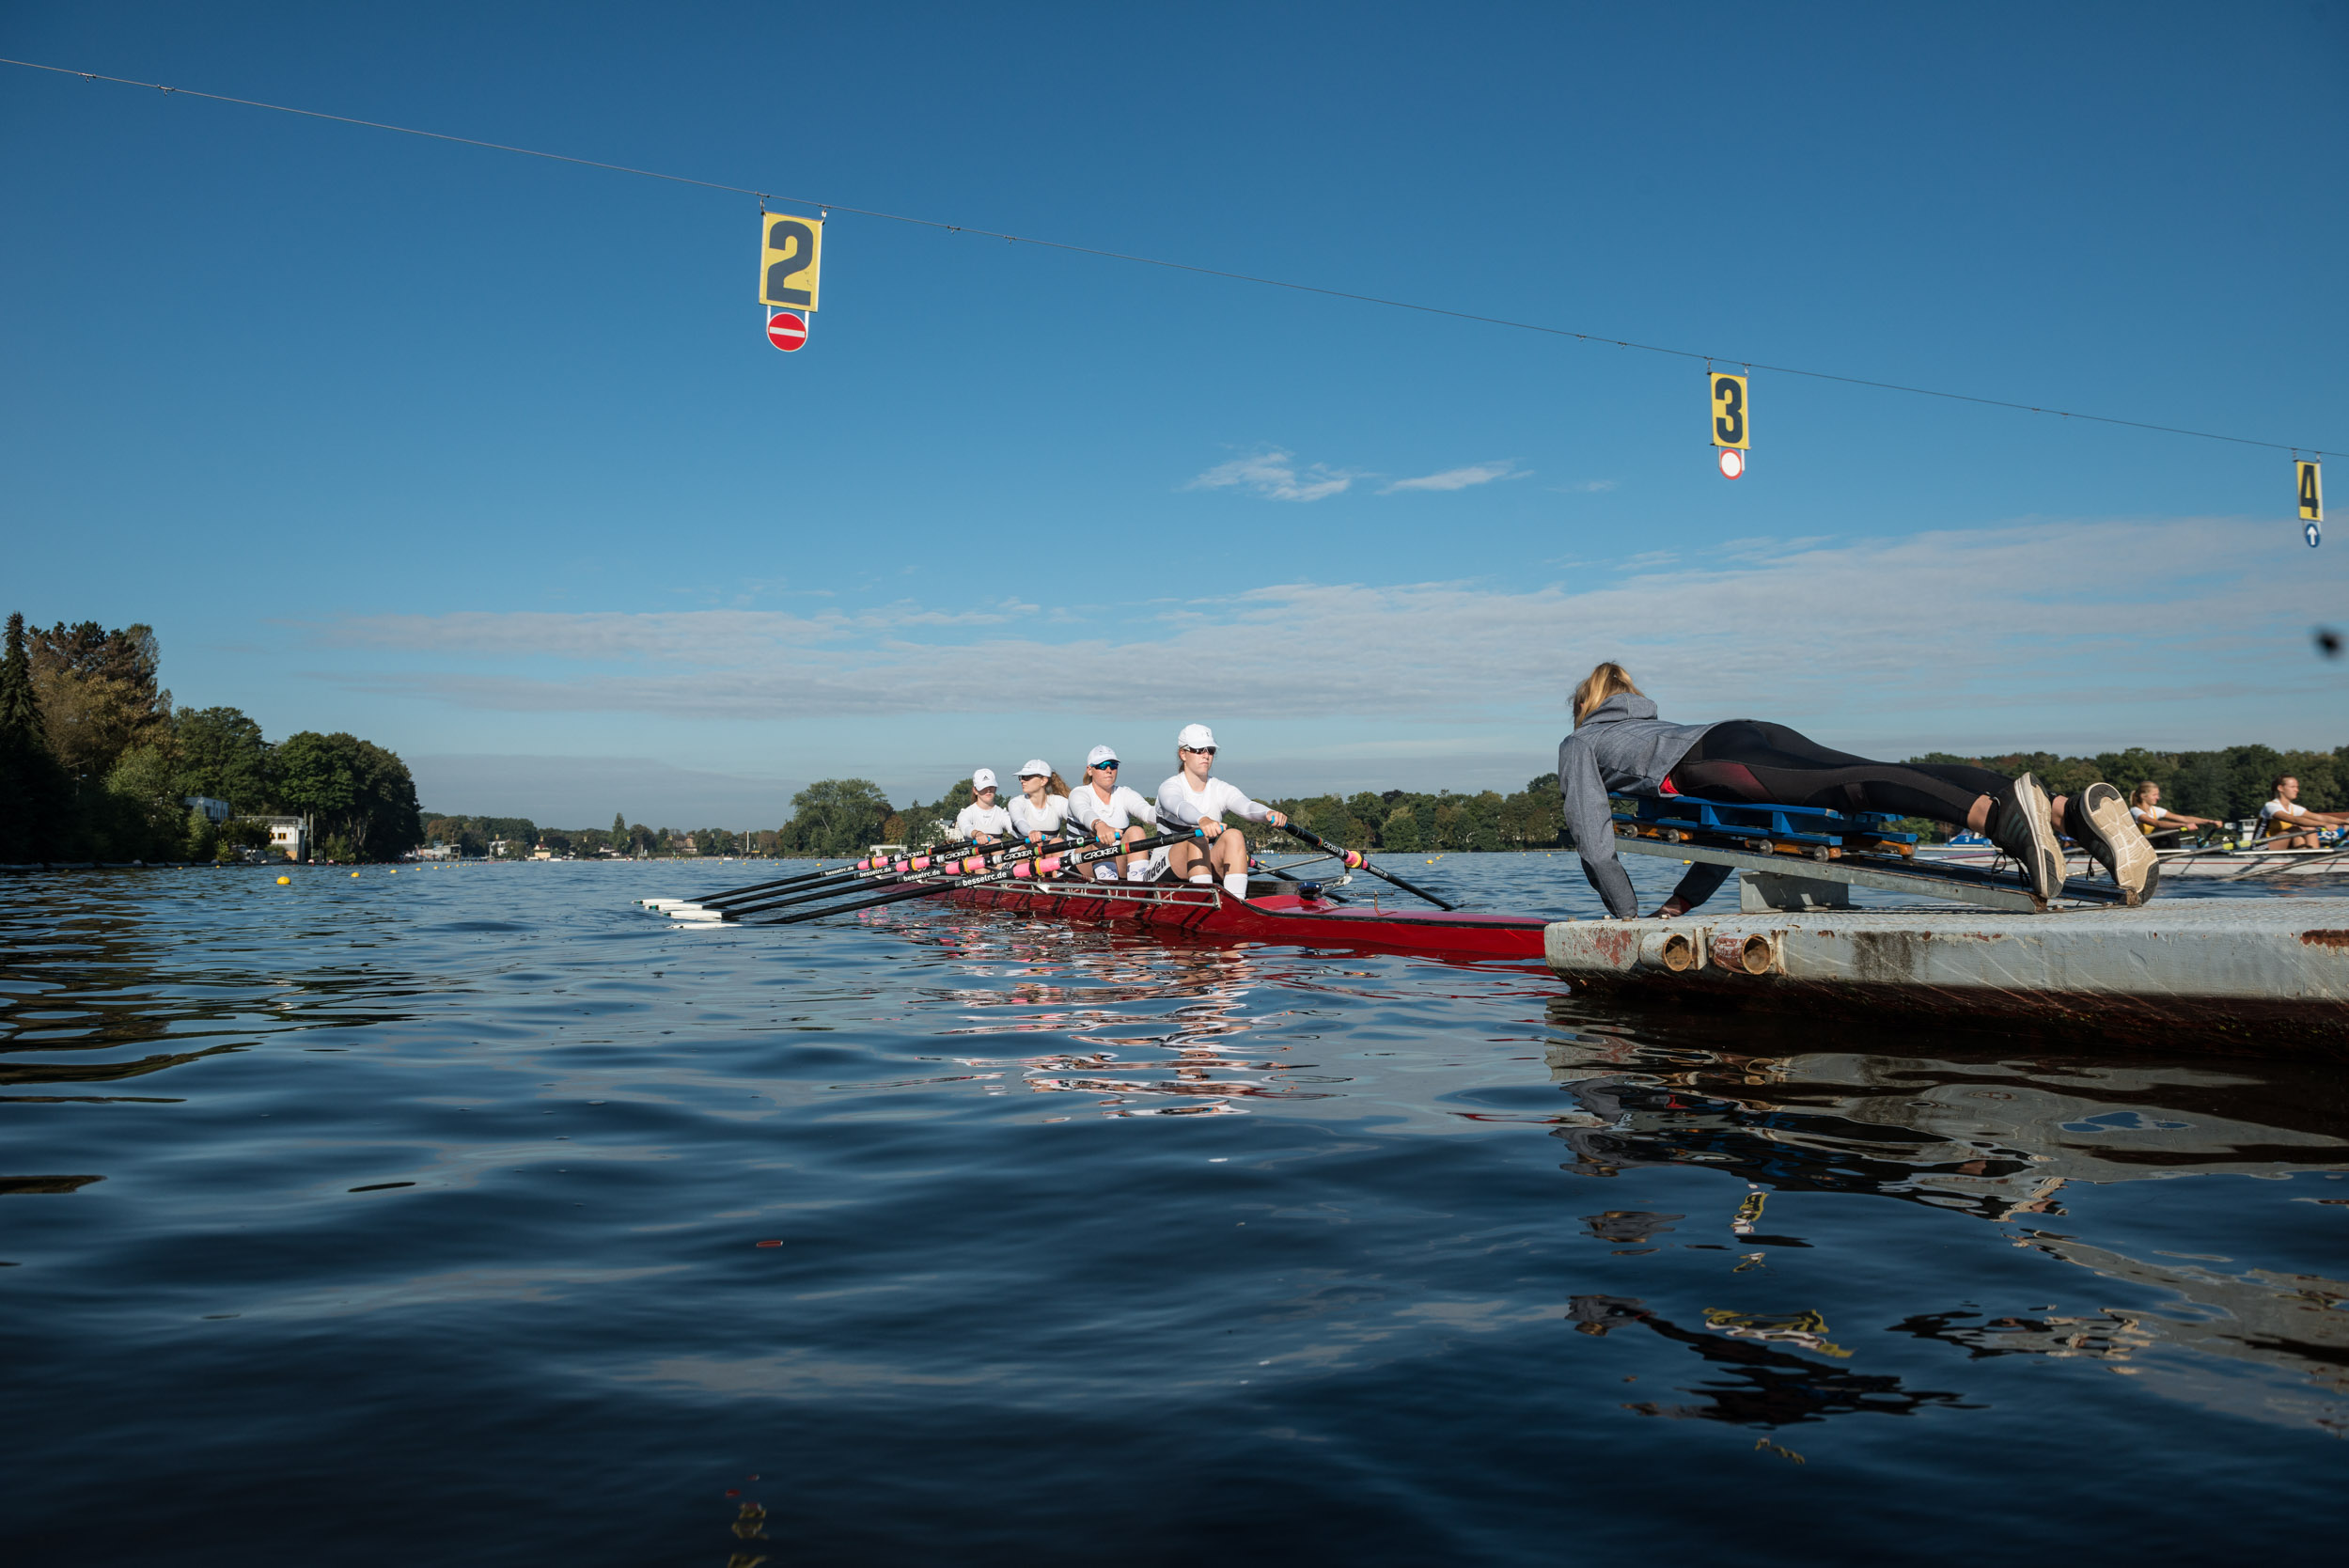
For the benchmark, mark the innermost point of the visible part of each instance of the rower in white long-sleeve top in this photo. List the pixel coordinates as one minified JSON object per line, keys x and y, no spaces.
{"x":983,"y":821}
{"x":1192,"y":799}
{"x":1041,"y":810}
{"x":1112,"y":814}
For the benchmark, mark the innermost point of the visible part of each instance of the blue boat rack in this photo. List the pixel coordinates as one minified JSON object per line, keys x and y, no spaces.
{"x":1804,"y":856}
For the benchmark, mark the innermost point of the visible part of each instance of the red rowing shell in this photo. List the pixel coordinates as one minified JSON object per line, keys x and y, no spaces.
{"x":1282,"y":918}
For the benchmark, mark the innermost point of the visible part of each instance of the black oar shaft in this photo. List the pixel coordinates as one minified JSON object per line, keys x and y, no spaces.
{"x":1080,"y":857}
{"x":1359,"y":861}
{"x":931,"y":868}
{"x":870,"y":863}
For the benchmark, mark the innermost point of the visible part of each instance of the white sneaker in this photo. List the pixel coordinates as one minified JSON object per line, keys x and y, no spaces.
{"x":1236,"y":884}
{"x":2021,"y":824}
{"x":2100,"y":821}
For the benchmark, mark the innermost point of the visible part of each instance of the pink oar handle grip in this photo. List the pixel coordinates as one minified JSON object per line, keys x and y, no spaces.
{"x":1048,"y":865}
{"x":1353,"y":859}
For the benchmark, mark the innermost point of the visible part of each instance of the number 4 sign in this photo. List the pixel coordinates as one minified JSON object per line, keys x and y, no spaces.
{"x":790,"y":260}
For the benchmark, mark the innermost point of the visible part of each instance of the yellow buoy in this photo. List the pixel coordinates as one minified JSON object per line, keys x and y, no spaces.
{"x":395,"y":871}
{"x":354,"y":873}
{"x":285,"y":882}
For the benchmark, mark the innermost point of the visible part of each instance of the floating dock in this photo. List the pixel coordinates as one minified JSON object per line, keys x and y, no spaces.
{"x":2244,"y":975}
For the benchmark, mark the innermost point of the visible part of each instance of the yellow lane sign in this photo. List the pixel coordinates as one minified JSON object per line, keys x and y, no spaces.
{"x":790,"y":256}
{"x":1731,"y":425}
{"x":2309,"y":479}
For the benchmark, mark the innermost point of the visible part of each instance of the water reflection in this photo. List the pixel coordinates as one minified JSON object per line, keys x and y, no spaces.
{"x":1771,"y":1386}
{"x":1162,"y":1024}
{"x":2000,"y":1139}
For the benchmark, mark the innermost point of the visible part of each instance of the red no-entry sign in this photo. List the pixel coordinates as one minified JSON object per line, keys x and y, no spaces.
{"x":787,"y":330}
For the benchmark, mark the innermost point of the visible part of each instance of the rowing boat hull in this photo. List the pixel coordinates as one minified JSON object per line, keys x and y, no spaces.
{"x":1281,"y":917}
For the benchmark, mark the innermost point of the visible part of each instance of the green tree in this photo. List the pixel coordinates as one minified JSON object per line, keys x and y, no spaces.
{"x":137,"y":814}
{"x":100,"y":693}
{"x":354,"y":791}
{"x":221,"y":754}
{"x":35,"y":792}
{"x":836,"y":816}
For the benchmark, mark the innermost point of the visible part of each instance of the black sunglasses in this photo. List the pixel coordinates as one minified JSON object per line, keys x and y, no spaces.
{"x":1200,"y":750}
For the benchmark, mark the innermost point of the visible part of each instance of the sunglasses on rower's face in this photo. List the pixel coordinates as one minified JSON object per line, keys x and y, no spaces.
{"x":1110,"y":766}
{"x":1200,"y":750}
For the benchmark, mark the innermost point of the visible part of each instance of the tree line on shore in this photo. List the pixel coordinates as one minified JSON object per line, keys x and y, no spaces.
{"x":838,"y":817}
{"x":97,"y":764}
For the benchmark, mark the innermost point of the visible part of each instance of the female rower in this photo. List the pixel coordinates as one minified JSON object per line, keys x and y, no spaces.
{"x":983,"y":821}
{"x":1619,"y":746}
{"x":1111,"y":813}
{"x":1042,"y":809}
{"x":2157,"y":820}
{"x":1192,"y":799}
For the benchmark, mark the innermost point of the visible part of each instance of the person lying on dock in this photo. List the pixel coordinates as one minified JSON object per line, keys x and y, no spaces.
{"x":1041,"y":810}
{"x":1113,"y":813}
{"x":1192,"y":799}
{"x":1620,"y":746}
{"x":2284,"y":826}
{"x":2158,"y":822}
{"x":983,"y":821}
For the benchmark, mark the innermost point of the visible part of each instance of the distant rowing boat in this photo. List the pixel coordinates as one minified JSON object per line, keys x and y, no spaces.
{"x":1289,"y":918}
{"x":2222,"y":865}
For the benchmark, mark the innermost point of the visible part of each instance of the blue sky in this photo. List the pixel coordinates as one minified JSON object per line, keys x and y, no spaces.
{"x":487,"y":458}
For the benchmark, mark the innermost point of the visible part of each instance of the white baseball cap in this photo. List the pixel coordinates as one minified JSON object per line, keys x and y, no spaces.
{"x":983,"y":779}
{"x":1196,"y":737}
{"x":1035,"y":767}
{"x":1100,"y":754}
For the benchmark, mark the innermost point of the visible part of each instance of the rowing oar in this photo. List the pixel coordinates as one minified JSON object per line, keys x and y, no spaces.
{"x":872,"y":866}
{"x":1018,"y":865}
{"x":1356,"y":860}
{"x":921,"y":869}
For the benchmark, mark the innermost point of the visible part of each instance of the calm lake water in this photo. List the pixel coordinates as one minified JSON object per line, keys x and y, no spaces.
{"x":470,"y":1215}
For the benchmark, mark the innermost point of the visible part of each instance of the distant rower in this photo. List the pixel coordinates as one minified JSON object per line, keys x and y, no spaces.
{"x":1109,"y":811}
{"x":1192,"y":799}
{"x":983,"y":821}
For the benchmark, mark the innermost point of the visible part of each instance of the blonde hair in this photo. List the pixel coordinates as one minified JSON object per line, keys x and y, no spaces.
{"x":1056,"y":785}
{"x":1604,"y":681}
{"x":2137,"y":796}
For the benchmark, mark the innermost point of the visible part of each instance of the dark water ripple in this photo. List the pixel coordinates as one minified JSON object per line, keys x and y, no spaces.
{"x":468,"y":1215}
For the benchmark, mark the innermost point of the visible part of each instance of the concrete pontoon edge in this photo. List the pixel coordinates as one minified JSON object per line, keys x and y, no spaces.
{"x":2243,"y":976}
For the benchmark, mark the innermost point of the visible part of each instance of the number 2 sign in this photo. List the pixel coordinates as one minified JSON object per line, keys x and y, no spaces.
{"x":1730,"y":427}
{"x":791,"y":258}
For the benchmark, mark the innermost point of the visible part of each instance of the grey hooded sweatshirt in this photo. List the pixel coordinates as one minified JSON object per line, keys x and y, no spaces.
{"x":1623,"y":748}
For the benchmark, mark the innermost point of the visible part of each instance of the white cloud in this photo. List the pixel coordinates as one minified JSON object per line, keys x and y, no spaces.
{"x":1588,"y":487}
{"x":1941,"y":639}
{"x":1274,"y":474}
{"x":1460,"y":479}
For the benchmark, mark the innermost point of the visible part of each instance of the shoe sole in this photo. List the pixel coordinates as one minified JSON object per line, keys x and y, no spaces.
{"x":2043,"y":867}
{"x":2136,"y":869}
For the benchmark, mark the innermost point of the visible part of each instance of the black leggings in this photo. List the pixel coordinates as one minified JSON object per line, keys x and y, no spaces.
{"x":1749,"y":760}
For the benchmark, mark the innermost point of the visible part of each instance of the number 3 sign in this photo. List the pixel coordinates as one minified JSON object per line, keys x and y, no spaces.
{"x":1729,"y":425}
{"x":790,"y":256}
